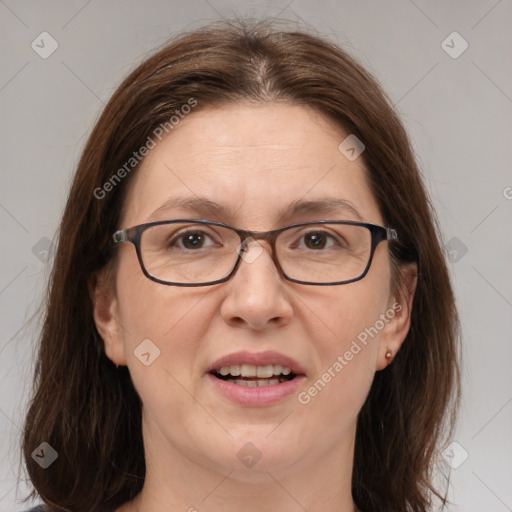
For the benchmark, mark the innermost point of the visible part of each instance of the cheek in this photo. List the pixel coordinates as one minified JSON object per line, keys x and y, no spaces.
{"x":346,"y":337}
{"x":341,"y":314}
{"x":168,"y":323}
{"x":175,"y":320}
{"x":148,"y":309}
{"x":337,"y":391}
{"x":160,"y":327}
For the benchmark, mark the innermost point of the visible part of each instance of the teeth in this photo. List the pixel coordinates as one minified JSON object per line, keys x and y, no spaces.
{"x":254,"y":383}
{"x":250,"y":370}
{"x":264,"y":372}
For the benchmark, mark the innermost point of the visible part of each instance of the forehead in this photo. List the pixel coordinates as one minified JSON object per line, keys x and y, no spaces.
{"x":252,"y":161}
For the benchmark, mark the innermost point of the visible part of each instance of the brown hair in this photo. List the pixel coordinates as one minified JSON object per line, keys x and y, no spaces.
{"x":90,"y":412}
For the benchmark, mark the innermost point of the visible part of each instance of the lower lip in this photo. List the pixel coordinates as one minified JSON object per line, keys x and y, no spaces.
{"x":256,"y":396}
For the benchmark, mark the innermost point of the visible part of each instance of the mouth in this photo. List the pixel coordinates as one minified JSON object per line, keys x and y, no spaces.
{"x":256,"y":379}
{"x":252,"y":376}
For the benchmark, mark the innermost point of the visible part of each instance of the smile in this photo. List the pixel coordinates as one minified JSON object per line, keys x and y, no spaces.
{"x":250,"y":375}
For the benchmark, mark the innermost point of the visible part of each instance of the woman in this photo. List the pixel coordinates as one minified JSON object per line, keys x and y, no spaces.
{"x":249,"y":307}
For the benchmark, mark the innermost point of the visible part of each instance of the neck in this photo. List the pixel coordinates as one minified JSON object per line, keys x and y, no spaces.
{"x":174,"y":481}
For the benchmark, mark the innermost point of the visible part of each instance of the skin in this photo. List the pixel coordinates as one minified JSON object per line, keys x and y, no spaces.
{"x":253,"y":160}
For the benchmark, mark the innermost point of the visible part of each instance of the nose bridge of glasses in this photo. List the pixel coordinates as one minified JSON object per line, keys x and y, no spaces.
{"x":261,"y":239}
{"x":254,"y":243}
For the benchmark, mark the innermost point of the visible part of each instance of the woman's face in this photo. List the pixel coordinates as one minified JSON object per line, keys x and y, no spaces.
{"x":255,"y":162}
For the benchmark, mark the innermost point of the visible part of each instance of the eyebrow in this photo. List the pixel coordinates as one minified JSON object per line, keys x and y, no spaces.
{"x":206,"y":207}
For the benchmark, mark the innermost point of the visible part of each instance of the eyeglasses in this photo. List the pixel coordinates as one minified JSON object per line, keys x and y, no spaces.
{"x":187,"y":252}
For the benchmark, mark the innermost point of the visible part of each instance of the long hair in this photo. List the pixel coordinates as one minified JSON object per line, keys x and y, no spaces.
{"x":89,"y":411}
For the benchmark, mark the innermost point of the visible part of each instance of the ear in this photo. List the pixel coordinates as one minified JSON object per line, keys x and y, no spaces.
{"x":106,"y":313}
{"x":399,"y":316}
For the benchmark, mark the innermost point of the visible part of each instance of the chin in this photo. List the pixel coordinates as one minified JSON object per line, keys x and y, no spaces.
{"x":256,"y":453}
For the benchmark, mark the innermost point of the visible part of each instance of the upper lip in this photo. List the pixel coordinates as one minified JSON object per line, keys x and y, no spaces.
{"x":258,"y":359}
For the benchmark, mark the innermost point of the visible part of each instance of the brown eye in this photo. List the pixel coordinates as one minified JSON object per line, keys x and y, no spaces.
{"x":193,"y":240}
{"x":190,"y":240}
{"x":315,"y":240}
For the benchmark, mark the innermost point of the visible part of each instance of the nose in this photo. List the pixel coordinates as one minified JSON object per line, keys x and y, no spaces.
{"x":257,"y":296}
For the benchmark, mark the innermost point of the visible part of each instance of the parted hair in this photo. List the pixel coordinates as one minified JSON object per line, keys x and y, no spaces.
{"x":89,"y":411}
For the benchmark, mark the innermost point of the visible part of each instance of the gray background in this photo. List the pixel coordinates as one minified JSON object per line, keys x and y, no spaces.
{"x":457,"y":110}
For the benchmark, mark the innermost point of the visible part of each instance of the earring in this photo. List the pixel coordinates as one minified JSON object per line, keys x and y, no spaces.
{"x":389,"y":355}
